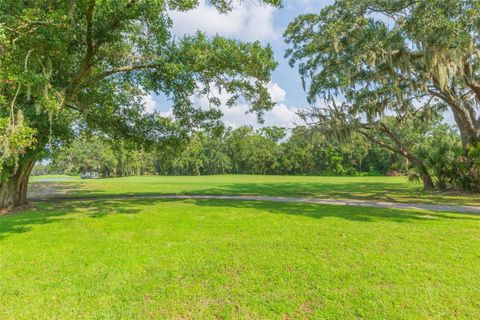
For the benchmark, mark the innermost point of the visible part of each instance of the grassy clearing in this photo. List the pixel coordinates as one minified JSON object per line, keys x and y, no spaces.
{"x":53,"y":176}
{"x":364,"y":188}
{"x":209,"y":259}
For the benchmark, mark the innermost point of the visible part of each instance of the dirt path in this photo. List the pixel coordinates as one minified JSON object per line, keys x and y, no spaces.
{"x":360,"y":203}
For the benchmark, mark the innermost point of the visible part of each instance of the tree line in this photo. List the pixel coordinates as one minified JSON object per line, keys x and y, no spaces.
{"x":246,"y":150}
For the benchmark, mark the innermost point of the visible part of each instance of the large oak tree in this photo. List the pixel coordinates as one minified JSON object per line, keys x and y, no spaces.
{"x":66,"y":65}
{"x":401,"y":57}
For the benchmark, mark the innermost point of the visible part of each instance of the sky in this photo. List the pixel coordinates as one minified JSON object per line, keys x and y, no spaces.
{"x":249,"y":22}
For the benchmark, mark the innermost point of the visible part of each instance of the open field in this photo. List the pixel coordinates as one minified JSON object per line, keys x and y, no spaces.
{"x":54,"y":176}
{"x":225,"y":259}
{"x":205,"y":259}
{"x":395,"y":189}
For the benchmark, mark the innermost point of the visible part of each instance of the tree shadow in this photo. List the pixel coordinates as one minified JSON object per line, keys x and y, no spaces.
{"x":368,"y":191}
{"x":23,"y":221}
{"x":55,"y":212}
{"x":355,"y":190}
{"x":351,"y":213}
{"x":333,"y":190}
{"x":59,"y":211}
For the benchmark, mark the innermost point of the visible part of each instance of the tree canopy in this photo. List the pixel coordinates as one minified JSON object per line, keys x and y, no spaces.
{"x":67,"y":65}
{"x":401,"y":57}
{"x":224,"y":150}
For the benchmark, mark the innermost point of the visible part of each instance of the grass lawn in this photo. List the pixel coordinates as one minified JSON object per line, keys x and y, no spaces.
{"x":207,"y":259}
{"x":53,"y":176}
{"x":365,"y":188}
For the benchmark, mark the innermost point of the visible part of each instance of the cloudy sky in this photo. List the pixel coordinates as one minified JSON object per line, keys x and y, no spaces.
{"x":250,"y":22}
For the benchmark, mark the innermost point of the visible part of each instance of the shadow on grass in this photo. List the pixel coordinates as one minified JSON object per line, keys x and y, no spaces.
{"x":351,"y":213}
{"x":20,"y":222}
{"x":57,"y":212}
{"x":368,"y":191}
{"x":356,"y":190}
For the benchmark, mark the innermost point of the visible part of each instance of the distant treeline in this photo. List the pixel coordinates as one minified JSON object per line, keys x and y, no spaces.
{"x":229,"y":151}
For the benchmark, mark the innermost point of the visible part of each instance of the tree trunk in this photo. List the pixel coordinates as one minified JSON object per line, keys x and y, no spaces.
{"x":428,"y":184}
{"x":427,"y":180}
{"x":13,"y":192}
{"x":415,"y":161}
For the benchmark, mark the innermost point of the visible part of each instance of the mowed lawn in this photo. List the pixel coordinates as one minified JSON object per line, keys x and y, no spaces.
{"x":217,"y":259}
{"x":396,"y":189}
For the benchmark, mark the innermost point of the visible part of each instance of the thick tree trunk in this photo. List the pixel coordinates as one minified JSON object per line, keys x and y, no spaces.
{"x":427,"y":182}
{"x":13,"y":192}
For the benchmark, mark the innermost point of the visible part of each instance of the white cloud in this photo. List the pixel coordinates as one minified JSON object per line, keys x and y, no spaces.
{"x":276,"y":92}
{"x":280,"y":116}
{"x":238,"y":115}
{"x":167,"y":114}
{"x":149,"y":103}
{"x":247,"y":22}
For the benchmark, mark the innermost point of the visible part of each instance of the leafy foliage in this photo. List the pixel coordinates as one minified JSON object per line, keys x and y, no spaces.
{"x":368,"y":59}
{"x":224,"y":150}
{"x":15,"y":138}
{"x":86,"y":64}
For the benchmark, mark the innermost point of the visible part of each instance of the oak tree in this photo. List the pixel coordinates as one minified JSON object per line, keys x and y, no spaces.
{"x":75,"y":64}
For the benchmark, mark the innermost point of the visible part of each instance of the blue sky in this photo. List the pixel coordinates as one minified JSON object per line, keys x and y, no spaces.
{"x":250,"y":22}
{"x":285,"y":76}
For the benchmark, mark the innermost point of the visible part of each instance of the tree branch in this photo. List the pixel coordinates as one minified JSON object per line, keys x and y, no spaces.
{"x":90,"y":52}
{"x":123,"y":69}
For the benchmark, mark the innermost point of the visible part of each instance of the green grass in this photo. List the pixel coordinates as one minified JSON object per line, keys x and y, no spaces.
{"x":207,"y":259}
{"x":365,"y":188}
{"x":53,"y":176}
